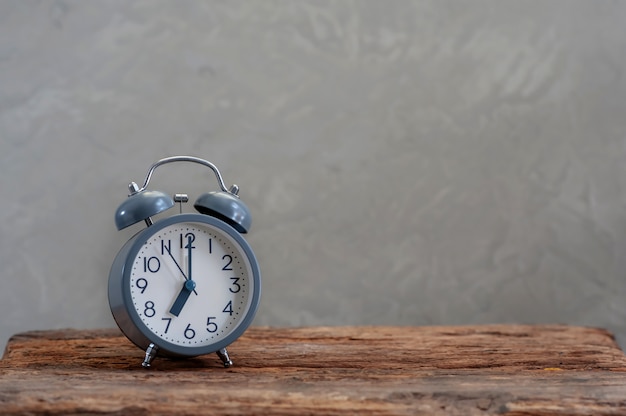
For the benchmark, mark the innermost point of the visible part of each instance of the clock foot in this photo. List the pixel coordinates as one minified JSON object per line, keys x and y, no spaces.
{"x":223,"y":354}
{"x":150,"y":354}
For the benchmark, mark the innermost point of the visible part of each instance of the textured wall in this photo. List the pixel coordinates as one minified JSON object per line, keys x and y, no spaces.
{"x":405,"y":162}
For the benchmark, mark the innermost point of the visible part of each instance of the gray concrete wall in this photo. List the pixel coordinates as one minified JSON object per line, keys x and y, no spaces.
{"x":406,"y":162}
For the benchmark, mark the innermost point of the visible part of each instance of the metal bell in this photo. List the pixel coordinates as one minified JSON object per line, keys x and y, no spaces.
{"x":227,"y":207}
{"x":140,"y":206}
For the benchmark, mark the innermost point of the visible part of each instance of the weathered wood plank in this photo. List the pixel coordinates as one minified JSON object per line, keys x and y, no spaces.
{"x":465,"y":370}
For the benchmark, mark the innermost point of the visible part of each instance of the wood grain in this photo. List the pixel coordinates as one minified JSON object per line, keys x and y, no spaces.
{"x":464,"y":370}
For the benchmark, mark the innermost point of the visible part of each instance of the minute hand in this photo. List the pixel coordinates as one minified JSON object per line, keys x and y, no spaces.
{"x":179,"y":268}
{"x":189,"y":247}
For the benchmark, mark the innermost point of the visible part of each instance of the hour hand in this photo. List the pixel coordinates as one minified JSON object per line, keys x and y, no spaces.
{"x":182,"y":297}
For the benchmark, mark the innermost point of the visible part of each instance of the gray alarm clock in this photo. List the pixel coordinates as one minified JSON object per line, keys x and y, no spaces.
{"x":188,"y":284}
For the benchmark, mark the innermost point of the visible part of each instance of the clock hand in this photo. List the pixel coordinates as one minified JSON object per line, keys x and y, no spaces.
{"x":182,"y":297}
{"x":176,"y":263}
{"x":189,"y":247}
{"x":189,"y":285}
{"x":179,"y":268}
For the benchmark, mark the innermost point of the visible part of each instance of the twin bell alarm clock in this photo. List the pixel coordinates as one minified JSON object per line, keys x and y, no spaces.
{"x":187,"y":284}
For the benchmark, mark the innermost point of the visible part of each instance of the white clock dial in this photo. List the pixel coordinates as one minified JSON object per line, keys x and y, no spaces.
{"x":191,"y":284}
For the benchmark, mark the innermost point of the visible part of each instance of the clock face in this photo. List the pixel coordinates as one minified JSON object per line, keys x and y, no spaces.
{"x":192,"y":282}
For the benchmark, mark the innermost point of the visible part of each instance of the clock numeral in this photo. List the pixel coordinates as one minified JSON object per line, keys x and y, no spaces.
{"x":166,"y":247}
{"x":210,"y":245}
{"x":211,"y":326}
{"x":169,"y":321}
{"x":228,"y":308}
{"x":142,"y":284}
{"x":189,"y":333}
{"x":237,"y":286}
{"x":229,"y":260}
{"x":187,"y":240}
{"x":149,"y":310}
{"x":151,"y":264}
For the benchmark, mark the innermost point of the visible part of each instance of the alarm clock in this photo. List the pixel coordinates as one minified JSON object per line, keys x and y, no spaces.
{"x":188,"y":284}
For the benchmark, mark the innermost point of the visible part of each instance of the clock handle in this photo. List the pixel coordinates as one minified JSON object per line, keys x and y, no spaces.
{"x":234,"y":189}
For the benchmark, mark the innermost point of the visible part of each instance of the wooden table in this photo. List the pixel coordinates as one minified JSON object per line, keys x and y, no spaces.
{"x":464,"y":370}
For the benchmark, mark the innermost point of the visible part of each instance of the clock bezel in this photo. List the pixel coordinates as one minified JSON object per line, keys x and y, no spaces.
{"x":128,"y":319}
